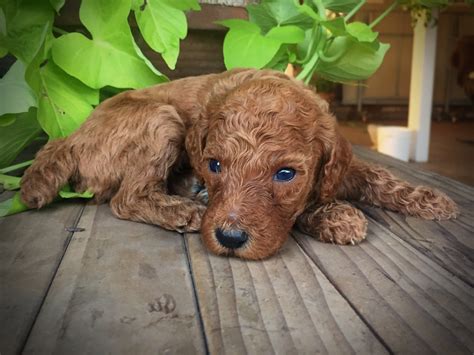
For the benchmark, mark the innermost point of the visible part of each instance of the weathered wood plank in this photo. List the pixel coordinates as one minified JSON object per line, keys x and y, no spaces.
{"x":281,"y":305}
{"x":31,"y":247}
{"x":449,"y":243}
{"x":415,"y":305}
{"x":122,"y":287}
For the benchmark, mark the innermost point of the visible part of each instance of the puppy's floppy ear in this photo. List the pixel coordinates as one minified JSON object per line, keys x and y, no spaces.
{"x":335,"y":162}
{"x":196,"y":142}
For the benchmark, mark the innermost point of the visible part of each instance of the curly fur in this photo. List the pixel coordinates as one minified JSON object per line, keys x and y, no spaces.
{"x":145,"y":151}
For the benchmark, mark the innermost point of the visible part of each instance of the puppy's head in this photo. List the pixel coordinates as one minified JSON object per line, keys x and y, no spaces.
{"x":267,"y":146}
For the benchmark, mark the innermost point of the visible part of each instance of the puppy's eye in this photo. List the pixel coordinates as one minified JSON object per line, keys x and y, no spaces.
{"x":215,"y":166}
{"x":285,"y":174}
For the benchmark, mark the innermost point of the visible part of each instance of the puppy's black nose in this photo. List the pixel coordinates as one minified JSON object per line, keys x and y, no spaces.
{"x":232,"y":238}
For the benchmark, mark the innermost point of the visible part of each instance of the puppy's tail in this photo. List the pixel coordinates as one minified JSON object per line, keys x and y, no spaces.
{"x":51,"y":170}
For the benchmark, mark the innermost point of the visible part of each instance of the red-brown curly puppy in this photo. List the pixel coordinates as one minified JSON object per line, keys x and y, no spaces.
{"x":264,"y":146}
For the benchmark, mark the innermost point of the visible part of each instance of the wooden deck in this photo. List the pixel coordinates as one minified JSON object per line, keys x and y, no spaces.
{"x":116,"y":287}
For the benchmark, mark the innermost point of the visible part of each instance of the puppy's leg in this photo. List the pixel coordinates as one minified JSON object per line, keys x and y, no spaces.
{"x":146,"y":201}
{"x":336,"y":222}
{"x":377,"y":186}
{"x":143,"y":192}
{"x":52,"y":168}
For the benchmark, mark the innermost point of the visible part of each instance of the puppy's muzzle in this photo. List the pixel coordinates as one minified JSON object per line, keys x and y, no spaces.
{"x":232,"y":239}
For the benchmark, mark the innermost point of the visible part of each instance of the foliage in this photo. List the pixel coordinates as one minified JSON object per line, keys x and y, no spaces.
{"x":60,"y":77}
{"x":329,"y":46}
{"x":333,"y":47}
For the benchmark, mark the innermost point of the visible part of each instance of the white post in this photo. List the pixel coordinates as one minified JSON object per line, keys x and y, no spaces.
{"x":421,"y":88}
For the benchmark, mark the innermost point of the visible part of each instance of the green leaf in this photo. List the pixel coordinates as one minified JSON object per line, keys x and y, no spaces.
{"x":340,"y":5}
{"x":162,"y":24}
{"x":337,"y":26}
{"x":246,"y":47}
{"x":280,"y":60}
{"x":64,"y":102}
{"x":67,"y":192}
{"x":15,"y":94}
{"x":357,"y":30}
{"x":16,"y":136}
{"x":184,"y":5}
{"x":356,"y":60}
{"x":361,"y":31}
{"x":309,"y":11}
{"x":26,"y":25}
{"x":273,"y":13}
{"x":12,"y":206}
{"x":286,"y":34}
{"x":111,"y":57}
{"x":10,"y":182}
{"x":3,"y":34}
{"x":7,"y":120}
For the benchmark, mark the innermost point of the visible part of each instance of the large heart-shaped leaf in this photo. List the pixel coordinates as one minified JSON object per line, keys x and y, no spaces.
{"x":286,"y":34}
{"x":272,"y":13}
{"x":359,"y":60}
{"x":245,"y":46}
{"x":111,"y":57}
{"x":64,"y":102}
{"x":17,"y":135}
{"x":25,"y":27}
{"x":163,"y":24}
{"x":15,"y":94}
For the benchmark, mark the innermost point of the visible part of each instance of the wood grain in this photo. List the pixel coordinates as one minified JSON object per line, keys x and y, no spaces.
{"x":281,"y":305}
{"x":31,"y":246}
{"x":415,"y":305}
{"x":448,"y":243}
{"x":122,"y":288}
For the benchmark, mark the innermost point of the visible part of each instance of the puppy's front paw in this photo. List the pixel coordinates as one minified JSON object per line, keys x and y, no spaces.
{"x":188,"y":218}
{"x":35,"y":191}
{"x":337,"y":223}
{"x":432,"y":204}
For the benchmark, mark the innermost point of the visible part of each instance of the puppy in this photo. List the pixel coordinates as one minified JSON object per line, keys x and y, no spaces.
{"x":264,"y":145}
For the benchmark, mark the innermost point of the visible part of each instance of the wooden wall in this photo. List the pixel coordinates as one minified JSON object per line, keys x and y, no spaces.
{"x":391,"y":83}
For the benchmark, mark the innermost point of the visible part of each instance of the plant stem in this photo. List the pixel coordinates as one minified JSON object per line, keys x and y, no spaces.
{"x":330,"y":59}
{"x":59,"y":30}
{"x":308,"y":68}
{"x":314,"y":39}
{"x":15,"y":167}
{"x":321,"y":9}
{"x":354,"y":10}
{"x":383,"y":14}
